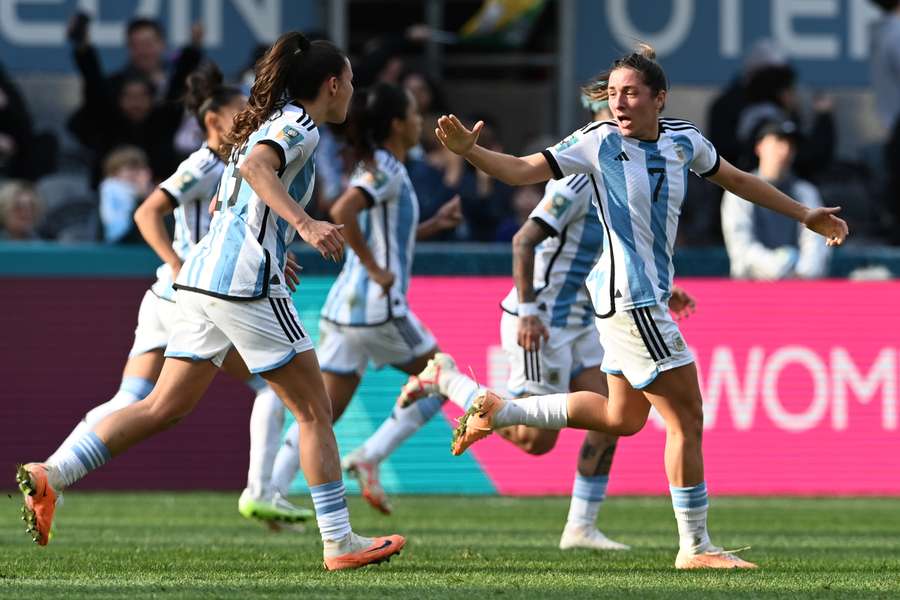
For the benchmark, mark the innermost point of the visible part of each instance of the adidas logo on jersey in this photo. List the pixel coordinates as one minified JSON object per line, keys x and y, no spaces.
{"x":622,"y":156}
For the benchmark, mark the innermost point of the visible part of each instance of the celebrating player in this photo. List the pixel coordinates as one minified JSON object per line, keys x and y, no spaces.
{"x":232,"y":293}
{"x":366,"y":316}
{"x":638,"y":166}
{"x":187,"y":193}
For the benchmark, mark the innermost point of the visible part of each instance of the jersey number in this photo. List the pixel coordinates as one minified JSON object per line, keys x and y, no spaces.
{"x":661,"y":177}
{"x":236,"y":187}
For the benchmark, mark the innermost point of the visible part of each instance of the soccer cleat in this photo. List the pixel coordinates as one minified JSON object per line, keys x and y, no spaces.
{"x":40,"y":501}
{"x":356,"y":551}
{"x":714,"y":558}
{"x":477,"y":422}
{"x":426,"y":383}
{"x":366,"y":474}
{"x":587,"y":536}
{"x":276,"y":508}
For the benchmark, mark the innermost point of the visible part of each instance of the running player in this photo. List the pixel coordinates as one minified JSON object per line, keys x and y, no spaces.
{"x":638,"y":165}
{"x":187,"y":194}
{"x":232,"y":293}
{"x":366,"y":316}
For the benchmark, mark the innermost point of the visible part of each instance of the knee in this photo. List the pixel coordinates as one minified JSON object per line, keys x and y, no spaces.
{"x":628,"y":424}
{"x":165,"y":413}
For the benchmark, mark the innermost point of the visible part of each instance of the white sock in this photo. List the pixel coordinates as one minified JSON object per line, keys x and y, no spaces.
{"x":331,"y":510}
{"x":588,"y":494}
{"x":398,"y":427}
{"x":287,"y":461}
{"x":460,"y":389}
{"x":691,"y":505}
{"x":546,"y":412}
{"x":82,"y":457}
{"x":131,"y":390}
{"x":266,"y":422}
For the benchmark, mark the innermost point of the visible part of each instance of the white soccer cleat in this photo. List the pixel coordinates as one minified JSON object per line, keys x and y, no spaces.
{"x":588,"y":536}
{"x":366,"y":474}
{"x":426,"y":383}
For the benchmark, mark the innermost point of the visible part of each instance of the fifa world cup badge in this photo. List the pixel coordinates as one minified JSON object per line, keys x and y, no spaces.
{"x":569,"y":141}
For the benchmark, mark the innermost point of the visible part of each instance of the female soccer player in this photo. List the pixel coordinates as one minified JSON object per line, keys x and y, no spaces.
{"x":638,"y":165}
{"x":187,"y":193}
{"x":366,"y":316}
{"x":232,"y":293}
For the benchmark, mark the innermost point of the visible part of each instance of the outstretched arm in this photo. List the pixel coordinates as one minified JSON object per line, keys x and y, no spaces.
{"x":753,"y":189}
{"x":509,"y":169}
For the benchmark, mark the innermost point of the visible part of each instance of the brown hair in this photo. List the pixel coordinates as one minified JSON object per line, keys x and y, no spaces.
{"x":122,"y":157}
{"x":293,"y":69}
{"x":206,"y":92}
{"x":642,"y":60}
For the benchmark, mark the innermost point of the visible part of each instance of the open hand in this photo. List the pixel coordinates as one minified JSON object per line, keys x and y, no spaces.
{"x":325,"y":237}
{"x":824,"y":222}
{"x":454,"y":135}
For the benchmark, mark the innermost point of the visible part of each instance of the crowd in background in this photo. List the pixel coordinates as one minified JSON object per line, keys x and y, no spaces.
{"x":134,"y":132}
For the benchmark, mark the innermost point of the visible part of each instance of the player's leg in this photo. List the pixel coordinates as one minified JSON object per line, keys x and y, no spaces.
{"x":141,"y":370}
{"x":592,"y":476}
{"x":259,"y":500}
{"x":270,"y":338}
{"x":407,"y":345}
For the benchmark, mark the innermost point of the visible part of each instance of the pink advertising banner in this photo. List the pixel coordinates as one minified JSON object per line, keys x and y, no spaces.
{"x":799,"y":381}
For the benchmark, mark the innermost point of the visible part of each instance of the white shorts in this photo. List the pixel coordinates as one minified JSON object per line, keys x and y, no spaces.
{"x":550,"y":369}
{"x":155,"y":319}
{"x":347,"y":349}
{"x":267,"y":333}
{"x":641,"y":343}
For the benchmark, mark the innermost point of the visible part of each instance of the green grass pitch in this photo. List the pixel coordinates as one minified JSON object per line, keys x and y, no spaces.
{"x":195,"y":545}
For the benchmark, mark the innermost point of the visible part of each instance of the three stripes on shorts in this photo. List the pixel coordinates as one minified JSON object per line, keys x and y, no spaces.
{"x":650,"y":334}
{"x":285,"y":316}
{"x":532,"y":361}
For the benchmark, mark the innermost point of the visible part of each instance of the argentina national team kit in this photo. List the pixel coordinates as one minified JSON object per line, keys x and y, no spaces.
{"x":231,"y":287}
{"x":190,"y":189}
{"x":639,"y":187}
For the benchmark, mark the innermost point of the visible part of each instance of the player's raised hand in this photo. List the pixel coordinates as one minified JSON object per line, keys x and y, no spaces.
{"x":824,"y":222}
{"x":681,"y":303}
{"x":325,"y":237}
{"x":455,"y":136}
{"x":532,"y":332}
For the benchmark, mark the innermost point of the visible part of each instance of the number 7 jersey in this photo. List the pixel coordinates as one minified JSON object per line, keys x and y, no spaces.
{"x":639,"y":187}
{"x":243,"y":255}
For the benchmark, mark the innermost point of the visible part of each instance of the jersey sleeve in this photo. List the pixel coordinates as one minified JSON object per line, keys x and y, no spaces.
{"x":560,"y":205}
{"x":576,"y":153}
{"x":291,"y":139}
{"x":194,"y":179}
{"x":705,"y":159}
{"x":376,"y":182}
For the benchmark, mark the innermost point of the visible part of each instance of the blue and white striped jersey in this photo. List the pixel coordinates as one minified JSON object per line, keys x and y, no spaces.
{"x":639,"y":188}
{"x":243,"y":255}
{"x":389,"y":227}
{"x":562,"y":263}
{"x":190,"y":189}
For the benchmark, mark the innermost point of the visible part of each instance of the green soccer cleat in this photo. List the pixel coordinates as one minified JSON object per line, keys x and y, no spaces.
{"x":276,"y":508}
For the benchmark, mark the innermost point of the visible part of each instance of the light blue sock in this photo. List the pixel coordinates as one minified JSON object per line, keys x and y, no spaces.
{"x":691,"y":505}
{"x":139,"y":387}
{"x":588,"y":494}
{"x":87,"y":454}
{"x":256,"y":383}
{"x":331,"y":510}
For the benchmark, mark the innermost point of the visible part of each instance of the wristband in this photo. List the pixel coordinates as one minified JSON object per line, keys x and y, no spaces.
{"x":528,"y":309}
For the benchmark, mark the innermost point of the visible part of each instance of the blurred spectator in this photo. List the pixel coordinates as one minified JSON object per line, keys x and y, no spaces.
{"x":136,"y":106}
{"x":885,"y":53}
{"x":771,"y":94}
{"x":432,"y":104}
{"x":20,"y":211}
{"x":761,"y":243}
{"x":23,"y":154}
{"x":525,"y":199}
{"x":127,"y":181}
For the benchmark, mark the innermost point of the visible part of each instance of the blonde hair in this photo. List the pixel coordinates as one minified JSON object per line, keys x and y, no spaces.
{"x":122,"y":157}
{"x":642,"y":60}
{"x":11,"y":190}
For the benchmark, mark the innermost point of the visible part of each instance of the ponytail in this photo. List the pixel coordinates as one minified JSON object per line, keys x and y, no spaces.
{"x":371,"y":117}
{"x":293,"y":69}
{"x":206,"y":92}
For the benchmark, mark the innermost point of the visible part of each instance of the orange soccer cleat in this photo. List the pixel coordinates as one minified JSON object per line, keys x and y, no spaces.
{"x":40,"y":501}
{"x":426,"y":383}
{"x":366,"y":474}
{"x":356,"y":551}
{"x":477,"y":422}
{"x":714,"y":558}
